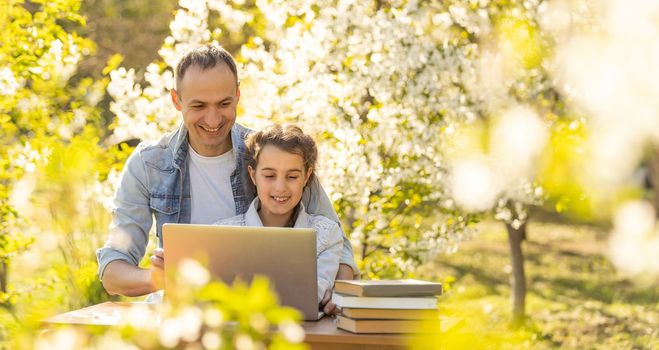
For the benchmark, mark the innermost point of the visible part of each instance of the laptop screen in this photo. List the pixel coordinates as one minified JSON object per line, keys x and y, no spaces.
{"x":286,"y":256}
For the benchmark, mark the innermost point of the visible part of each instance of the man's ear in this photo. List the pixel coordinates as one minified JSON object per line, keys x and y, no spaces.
{"x":238,"y":93}
{"x":252,"y":175}
{"x":175,"y":99}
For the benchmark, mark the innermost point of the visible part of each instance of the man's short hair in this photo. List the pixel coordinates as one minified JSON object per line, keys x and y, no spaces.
{"x":205,"y":57}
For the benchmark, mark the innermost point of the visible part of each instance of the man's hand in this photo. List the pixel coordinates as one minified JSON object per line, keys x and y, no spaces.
{"x":158,"y":268}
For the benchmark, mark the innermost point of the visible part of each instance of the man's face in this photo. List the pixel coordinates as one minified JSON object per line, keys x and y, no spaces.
{"x":208,"y":100}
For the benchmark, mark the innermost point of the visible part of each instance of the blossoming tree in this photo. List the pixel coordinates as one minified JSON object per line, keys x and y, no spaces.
{"x":392,"y":98}
{"x":392,"y":91}
{"x":374,"y":90}
{"x":41,"y":106}
{"x":495,"y":161}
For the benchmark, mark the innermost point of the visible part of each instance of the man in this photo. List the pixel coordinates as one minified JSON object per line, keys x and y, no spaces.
{"x":193,"y":175}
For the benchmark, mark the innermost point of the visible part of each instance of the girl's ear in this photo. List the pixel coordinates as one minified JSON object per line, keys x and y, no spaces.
{"x":252,"y":175}
{"x":309,"y":172}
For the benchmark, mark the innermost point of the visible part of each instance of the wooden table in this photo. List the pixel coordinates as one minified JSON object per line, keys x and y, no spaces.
{"x":320,"y":335}
{"x":323,"y":334}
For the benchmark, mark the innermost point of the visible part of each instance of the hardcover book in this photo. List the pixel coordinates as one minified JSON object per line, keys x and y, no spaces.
{"x":401,"y":314}
{"x":388,"y":288}
{"x":387,"y":326}
{"x":343,"y":301}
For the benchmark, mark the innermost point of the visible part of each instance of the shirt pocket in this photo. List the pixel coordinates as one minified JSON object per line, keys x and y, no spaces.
{"x":165,"y":204}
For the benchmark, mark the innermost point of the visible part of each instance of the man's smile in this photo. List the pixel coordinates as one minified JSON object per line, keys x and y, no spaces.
{"x":211,"y":130}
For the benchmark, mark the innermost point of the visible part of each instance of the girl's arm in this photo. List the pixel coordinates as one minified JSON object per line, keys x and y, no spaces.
{"x":317,"y":202}
{"x":329,"y":245}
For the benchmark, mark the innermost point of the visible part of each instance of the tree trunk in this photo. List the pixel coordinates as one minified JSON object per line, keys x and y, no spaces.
{"x":3,"y":277}
{"x":515,"y":238}
{"x":654,"y":179}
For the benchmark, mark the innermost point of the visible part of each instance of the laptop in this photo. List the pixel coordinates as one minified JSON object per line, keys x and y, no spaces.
{"x":287,"y":256}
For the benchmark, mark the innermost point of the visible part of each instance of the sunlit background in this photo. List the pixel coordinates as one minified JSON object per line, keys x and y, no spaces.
{"x":452,"y":134}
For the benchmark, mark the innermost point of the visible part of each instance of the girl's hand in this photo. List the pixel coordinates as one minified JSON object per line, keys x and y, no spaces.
{"x":329,"y":307}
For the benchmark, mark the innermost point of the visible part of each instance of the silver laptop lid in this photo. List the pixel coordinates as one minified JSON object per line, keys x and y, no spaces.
{"x":287,"y":256}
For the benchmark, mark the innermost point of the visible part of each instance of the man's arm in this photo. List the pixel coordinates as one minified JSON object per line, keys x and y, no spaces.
{"x":127,"y":279}
{"x":316,"y":201}
{"x":124,"y":278}
{"x":131,"y":222}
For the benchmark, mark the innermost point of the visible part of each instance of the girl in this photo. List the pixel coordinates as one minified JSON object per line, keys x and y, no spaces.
{"x":280,"y":162}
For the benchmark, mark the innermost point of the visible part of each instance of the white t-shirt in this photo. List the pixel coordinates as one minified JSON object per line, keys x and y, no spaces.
{"x":210,"y":187}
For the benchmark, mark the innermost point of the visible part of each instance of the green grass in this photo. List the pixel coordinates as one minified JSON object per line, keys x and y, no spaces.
{"x":575,"y":297}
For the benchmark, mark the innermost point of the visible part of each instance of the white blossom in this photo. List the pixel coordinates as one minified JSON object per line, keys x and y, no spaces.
{"x":292,"y":331}
{"x":475,"y":185}
{"x":518,"y":138}
{"x":211,"y":340}
{"x":8,"y":83}
{"x":192,"y":273}
{"x":635,"y":239}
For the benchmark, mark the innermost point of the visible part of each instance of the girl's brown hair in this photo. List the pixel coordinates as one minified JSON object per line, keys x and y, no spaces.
{"x":289,"y":138}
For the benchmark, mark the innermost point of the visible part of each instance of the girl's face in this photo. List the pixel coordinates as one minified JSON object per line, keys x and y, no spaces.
{"x":279,"y":178}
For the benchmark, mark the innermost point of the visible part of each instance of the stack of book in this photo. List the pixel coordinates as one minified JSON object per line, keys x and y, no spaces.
{"x":387,"y":306}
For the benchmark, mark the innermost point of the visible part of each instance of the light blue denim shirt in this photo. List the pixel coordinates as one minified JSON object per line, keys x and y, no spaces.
{"x":155,"y":182}
{"x":328,"y":240}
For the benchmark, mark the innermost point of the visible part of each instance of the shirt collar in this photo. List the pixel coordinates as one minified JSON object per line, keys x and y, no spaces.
{"x":252,"y":215}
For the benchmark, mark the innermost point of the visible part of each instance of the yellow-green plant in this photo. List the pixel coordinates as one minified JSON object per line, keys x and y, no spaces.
{"x":205,"y":316}
{"x":49,"y":129}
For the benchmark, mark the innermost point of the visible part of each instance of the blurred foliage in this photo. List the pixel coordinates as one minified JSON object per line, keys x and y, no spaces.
{"x":40,"y":108}
{"x":133,"y":29}
{"x":560,"y":176}
{"x":213,"y":316}
{"x":127,"y":30}
{"x":51,"y":161}
{"x":521,"y":37}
